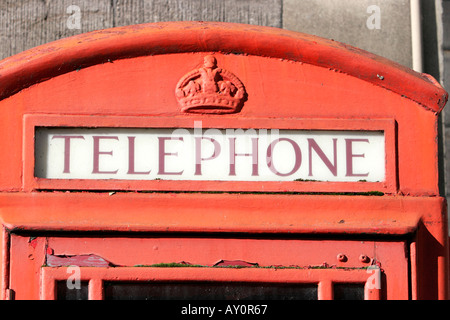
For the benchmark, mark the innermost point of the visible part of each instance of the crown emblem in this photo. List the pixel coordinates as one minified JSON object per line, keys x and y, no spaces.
{"x":210,"y":90}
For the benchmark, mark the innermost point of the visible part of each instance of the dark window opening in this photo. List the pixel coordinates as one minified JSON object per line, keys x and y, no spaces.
{"x":67,"y":290}
{"x":208,"y":291}
{"x":348,"y":291}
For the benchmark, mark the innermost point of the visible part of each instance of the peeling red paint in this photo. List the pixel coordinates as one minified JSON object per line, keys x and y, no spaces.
{"x":89,"y":260}
{"x":240,"y":263}
{"x":33,"y":242}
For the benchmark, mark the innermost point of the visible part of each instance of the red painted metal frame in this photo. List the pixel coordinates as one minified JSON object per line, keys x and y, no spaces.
{"x":203,"y":212}
{"x":235,"y":213}
{"x":31,"y":122}
{"x":324,"y":278}
{"x":123,"y":253}
{"x":5,"y":269}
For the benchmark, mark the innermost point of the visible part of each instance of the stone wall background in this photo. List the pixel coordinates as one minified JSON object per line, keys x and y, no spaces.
{"x":25,"y":24}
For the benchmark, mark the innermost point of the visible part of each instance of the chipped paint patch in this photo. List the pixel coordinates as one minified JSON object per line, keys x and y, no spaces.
{"x":88,"y":260}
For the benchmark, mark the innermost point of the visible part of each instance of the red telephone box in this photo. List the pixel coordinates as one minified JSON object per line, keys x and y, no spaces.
{"x":211,"y":160}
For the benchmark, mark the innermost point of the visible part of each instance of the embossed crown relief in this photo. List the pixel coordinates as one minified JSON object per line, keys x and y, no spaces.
{"x":210,"y":89}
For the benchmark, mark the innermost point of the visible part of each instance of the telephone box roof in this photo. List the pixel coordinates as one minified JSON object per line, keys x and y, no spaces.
{"x":69,"y":54}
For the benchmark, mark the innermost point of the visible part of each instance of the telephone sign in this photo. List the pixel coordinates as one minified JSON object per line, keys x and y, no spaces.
{"x":213,"y":154}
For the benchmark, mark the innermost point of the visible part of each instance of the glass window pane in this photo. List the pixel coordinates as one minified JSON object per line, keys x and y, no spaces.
{"x":71,"y":292}
{"x":348,"y":291}
{"x":208,"y":291}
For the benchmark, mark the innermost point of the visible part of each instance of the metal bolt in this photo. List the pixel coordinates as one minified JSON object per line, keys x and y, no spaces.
{"x":341,"y":257}
{"x":364,"y":259}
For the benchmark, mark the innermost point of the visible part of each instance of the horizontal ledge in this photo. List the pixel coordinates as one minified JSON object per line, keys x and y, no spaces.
{"x":217,"y":213}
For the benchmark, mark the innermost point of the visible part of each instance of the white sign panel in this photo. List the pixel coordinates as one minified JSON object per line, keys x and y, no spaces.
{"x":209,"y":154}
